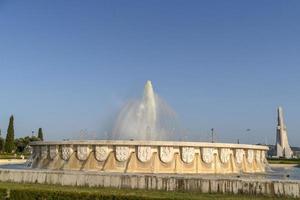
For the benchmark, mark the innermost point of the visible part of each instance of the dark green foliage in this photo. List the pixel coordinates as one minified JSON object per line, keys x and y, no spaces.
{"x":22,"y":143}
{"x":9,"y":141}
{"x":1,"y":144}
{"x":40,"y":134}
{"x":3,"y":193}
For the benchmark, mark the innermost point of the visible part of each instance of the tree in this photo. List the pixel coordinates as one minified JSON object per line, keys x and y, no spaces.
{"x":1,"y":144}
{"x":9,"y":140}
{"x":40,"y":134}
{"x":22,"y":143}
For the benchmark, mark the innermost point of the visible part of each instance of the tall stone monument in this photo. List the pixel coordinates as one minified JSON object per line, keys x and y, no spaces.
{"x":282,"y":146}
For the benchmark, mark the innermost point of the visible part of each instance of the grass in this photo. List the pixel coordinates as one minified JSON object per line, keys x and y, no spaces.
{"x":283,"y":161}
{"x":39,"y":191}
{"x":13,"y":156}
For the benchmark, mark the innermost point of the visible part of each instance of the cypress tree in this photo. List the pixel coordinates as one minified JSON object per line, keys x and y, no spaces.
{"x":1,"y":142}
{"x":40,"y":134}
{"x":9,"y":141}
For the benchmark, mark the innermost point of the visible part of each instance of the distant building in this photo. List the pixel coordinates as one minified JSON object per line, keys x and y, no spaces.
{"x":282,"y":147}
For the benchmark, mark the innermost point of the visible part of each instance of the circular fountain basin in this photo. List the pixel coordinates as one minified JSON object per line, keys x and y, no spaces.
{"x":126,"y":156}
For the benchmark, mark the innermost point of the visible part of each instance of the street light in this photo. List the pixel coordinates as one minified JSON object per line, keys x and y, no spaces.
{"x":248,"y":131}
{"x":212,"y":135}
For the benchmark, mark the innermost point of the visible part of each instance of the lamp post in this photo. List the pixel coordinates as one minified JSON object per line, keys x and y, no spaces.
{"x":248,"y":131}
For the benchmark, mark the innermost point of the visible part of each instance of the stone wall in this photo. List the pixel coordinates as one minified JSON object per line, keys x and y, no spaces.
{"x":203,"y":184}
{"x":149,"y":157}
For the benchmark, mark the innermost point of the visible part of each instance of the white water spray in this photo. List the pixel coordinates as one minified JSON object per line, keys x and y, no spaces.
{"x":146,"y":119}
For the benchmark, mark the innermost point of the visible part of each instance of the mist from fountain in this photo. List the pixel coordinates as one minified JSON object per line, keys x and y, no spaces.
{"x":148,"y":118}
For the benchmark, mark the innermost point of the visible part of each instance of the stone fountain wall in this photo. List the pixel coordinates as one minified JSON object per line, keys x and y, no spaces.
{"x":149,"y":157}
{"x":169,"y":182}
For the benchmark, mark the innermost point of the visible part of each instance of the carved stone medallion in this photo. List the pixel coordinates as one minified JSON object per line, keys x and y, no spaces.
{"x":144,"y":153}
{"x":263,"y":156}
{"x":101,"y":153}
{"x":44,"y":151}
{"x":257,"y":156}
{"x":66,"y":152}
{"x":122,"y":153}
{"x":53,"y":151}
{"x":166,"y":154}
{"x":83,"y":152}
{"x":207,"y":155}
{"x":225,"y":155}
{"x":239,"y":155}
{"x":250,"y":155}
{"x":187,"y":154}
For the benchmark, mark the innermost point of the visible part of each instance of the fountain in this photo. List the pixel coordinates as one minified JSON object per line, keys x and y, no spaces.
{"x":137,"y":147}
{"x":137,"y":158}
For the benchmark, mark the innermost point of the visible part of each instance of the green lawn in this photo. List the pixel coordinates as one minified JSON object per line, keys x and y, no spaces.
{"x":13,"y":155}
{"x":283,"y":161}
{"x":37,"y":191}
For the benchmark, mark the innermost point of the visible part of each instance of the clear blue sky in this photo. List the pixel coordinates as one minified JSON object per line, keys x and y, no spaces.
{"x":68,"y":66}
